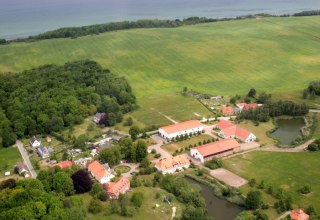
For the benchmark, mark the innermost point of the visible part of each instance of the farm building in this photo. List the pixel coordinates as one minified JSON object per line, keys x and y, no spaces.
{"x":245,"y":106}
{"x":22,"y":170}
{"x":188,"y":127}
{"x":171,"y":165}
{"x":215,"y":150}
{"x":229,"y":130}
{"x":227,"y":110}
{"x":114,"y":189}
{"x":100,"y":172}
{"x":299,"y":214}
{"x":64,"y":164}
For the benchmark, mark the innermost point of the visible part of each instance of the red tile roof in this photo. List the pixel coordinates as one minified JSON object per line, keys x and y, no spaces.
{"x":64,"y":164}
{"x":247,"y":106}
{"x":227,"y":110}
{"x":118,"y":187}
{"x":230,"y":129}
{"x":169,"y":163}
{"x":299,"y":215}
{"x":217,"y":147}
{"x":181,"y":126}
{"x":98,"y":170}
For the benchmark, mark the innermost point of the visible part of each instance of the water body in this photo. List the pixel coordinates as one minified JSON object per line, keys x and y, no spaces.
{"x":21,"y":18}
{"x":288,"y":130}
{"x":219,"y":209}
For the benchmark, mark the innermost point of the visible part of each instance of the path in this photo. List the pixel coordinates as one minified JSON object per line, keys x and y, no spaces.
{"x":299,"y":148}
{"x":314,"y":110}
{"x":133,"y":168}
{"x":159,"y":142}
{"x":26,"y":159}
{"x":283,"y":215}
{"x":169,"y":118}
{"x":174,"y":209}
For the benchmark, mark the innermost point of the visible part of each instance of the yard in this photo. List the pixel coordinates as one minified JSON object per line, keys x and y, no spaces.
{"x":173,"y":146}
{"x":9,"y":157}
{"x":290,"y":171}
{"x":122,"y":169}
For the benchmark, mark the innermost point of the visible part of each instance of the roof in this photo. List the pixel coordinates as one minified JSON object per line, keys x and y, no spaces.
{"x":182,"y":126}
{"x":299,"y":215}
{"x":64,"y":164}
{"x":247,"y":106}
{"x":116,"y":187}
{"x":230,"y":129}
{"x":42,"y":148}
{"x":217,"y":147}
{"x":169,"y":163}
{"x":227,"y":110}
{"x":224,"y":124}
{"x":98,"y":170}
{"x":20,"y":166}
{"x":34,"y":139}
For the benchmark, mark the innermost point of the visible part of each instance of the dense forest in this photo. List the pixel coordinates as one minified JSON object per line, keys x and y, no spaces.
{"x":274,"y":109}
{"x":48,"y":98}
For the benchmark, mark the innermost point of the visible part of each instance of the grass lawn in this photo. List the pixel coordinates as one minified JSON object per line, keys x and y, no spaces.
{"x":146,"y":211}
{"x":83,"y":129}
{"x":9,"y":157}
{"x":277,"y":55}
{"x":316,"y":133}
{"x":289,"y":171}
{"x":122,"y":169}
{"x":260,"y":131}
{"x":173,"y":146}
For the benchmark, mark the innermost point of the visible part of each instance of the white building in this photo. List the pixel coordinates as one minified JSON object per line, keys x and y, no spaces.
{"x":188,"y":127}
{"x":229,"y":130}
{"x":99,"y":172}
{"x":171,"y":165}
{"x":34,"y":142}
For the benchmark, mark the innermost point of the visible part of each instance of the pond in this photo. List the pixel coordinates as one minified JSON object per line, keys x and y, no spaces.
{"x":288,"y":130}
{"x":219,"y":209}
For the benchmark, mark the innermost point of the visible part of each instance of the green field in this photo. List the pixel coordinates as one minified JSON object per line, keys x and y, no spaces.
{"x":277,"y":55}
{"x":9,"y":157}
{"x":289,"y":171}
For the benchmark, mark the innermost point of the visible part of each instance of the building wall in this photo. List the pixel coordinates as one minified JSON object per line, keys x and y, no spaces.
{"x":251,"y":138}
{"x":171,"y":171}
{"x":165,"y":135}
{"x":196,"y":154}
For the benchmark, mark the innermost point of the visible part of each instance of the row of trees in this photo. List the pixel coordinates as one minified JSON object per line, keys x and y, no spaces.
{"x":273,"y":109}
{"x":51,"y":97}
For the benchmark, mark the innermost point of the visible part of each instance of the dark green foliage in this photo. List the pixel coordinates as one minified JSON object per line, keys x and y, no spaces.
{"x":213,"y":164}
{"x":305,"y":189}
{"x":48,"y":98}
{"x":134,"y":132}
{"x":128,"y":122}
{"x":137,"y":199}
{"x":253,"y":200}
{"x":263,"y":98}
{"x":315,"y":146}
{"x":95,"y":206}
{"x":135,"y":182}
{"x":252,"y":93}
{"x":9,"y":183}
{"x":284,"y":204}
{"x":63,"y":183}
{"x":307,"y":13}
{"x":3,"y":41}
{"x":81,"y":181}
{"x":112,"y":155}
{"x":96,"y":190}
{"x":312,"y":90}
{"x":252,"y":182}
{"x":263,"y":114}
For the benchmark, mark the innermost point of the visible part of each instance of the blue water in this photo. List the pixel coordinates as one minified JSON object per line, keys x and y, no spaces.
{"x":20,"y":18}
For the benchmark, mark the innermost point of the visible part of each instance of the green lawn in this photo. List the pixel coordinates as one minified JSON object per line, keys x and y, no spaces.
{"x":172,"y":147}
{"x":9,"y":157}
{"x":289,"y":171}
{"x":277,"y":55}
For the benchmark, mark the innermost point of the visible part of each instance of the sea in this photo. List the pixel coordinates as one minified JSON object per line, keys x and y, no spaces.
{"x":22,"y":18}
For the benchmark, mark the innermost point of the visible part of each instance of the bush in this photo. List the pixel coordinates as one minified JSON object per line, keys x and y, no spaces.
{"x":305,"y":189}
{"x":137,"y":199}
{"x":252,"y":182}
{"x":103,"y":196}
{"x":253,"y":200}
{"x":153,"y":151}
{"x":157,"y":156}
{"x":213,"y":164}
{"x":95,"y":206}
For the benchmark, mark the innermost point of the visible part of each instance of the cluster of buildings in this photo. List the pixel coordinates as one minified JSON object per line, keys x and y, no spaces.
{"x":229,"y":110}
{"x":42,"y":151}
{"x":229,"y":130}
{"x":172,"y":165}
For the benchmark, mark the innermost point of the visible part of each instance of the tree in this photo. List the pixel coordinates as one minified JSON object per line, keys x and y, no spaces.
{"x":128,"y":122}
{"x":134,"y":132}
{"x":252,"y":92}
{"x":81,"y":181}
{"x":80,"y":142}
{"x":145,"y":163}
{"x":95,"y":206}
{"x":137,"y":199}
{"x":141,"y":150}
{"x":63,"y":183}
{"x":96,"y":189}
{"x":263,"y":98}
{"x":123,"y":201}
{"x":9,"y":183}
{"x":111,"y":155}
{"x":245,"y":216}
{"x":253,"y":200}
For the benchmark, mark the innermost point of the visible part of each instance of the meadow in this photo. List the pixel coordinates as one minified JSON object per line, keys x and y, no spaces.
{"x":289,"y":171}
{"x":9,"y":157}
{"x":276,"y":55}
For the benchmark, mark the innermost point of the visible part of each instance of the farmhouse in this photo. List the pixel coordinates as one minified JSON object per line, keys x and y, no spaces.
{"x":34,"y":142}
{"x":114,"y":189}
{"x":245,"y":106}
{"x":215,"y":150}
{"x":22,"y":170}
{"x":298,"y":215}
{"x":171,"y":165}
{"x":43,"y":152}
{"x":229,"y":130}
{"x":227,"y":110}
{"x":188,"y":127}
{"x":64,"y":164}
{"x":99,"y":172}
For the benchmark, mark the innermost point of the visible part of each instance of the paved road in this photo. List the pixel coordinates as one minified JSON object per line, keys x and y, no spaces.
{"x":159,"y":141}
{"x":26,"y":159}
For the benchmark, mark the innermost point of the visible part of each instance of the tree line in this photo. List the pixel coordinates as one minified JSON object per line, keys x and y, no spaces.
{"x":274,"y":109}
{"x":308,"y":13}
{"x":49,"y":98}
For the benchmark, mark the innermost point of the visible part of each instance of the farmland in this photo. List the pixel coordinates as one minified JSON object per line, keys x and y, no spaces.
{"x":277,"y":55}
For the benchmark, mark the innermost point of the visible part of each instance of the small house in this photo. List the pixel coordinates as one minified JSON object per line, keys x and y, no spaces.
{"x":229,"y":130}
{"x":43,"y":152}
{"x":171,"y":165}
{"x":34,"y":142}
{"x":48,"y":139}
{"x":99,"y":172}
{"x":114,"y":189}
{"x":298,"y":214}
{"x":227,"y":110}
{"x":245,"y":106}
{"x":64,"y":164}
{"x":22,"y":170}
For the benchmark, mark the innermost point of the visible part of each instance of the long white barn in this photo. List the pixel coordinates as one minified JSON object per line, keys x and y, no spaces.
{"x":188,"y":127}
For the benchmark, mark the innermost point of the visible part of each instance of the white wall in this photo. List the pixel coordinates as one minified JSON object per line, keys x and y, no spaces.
{"x":164,"y":134}
{"x":250,"y":138}
{"x":196,"y":154}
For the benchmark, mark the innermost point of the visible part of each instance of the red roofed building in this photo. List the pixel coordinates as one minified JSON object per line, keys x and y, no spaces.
{"x":245,"y":106}
{"x":298,"y":215}
{"x":114,"y":189}
{"x":171,"y":165}
{"x":172,"y":131}
{"x":215,"y":150}
{"x":63,"y":164}
{"x":99,"y":172}
{"x":229,"y":130}
{"x":227,"y":110}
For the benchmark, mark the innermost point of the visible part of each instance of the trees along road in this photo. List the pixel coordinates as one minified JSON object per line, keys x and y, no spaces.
{"x":26,"y":159}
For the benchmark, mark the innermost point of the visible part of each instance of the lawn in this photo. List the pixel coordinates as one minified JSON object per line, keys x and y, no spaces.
{"x":122,"y":169}
{"x":9,"y":157}
{"x":289,"y":171}
{"x":146,"y":211}
{"x":172,"y":147}
{"x":277,"y":55}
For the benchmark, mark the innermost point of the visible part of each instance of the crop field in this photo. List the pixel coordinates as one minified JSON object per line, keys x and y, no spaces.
{"x":276,"y":55}
{"x":290,"y":171}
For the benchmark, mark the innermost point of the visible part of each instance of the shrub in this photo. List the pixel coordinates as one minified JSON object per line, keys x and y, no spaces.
{"x":252,"y":182}
{"x":95,"y":206}
{"x":253,"y":200}
{"x":157,"y":156}
{"x":137,"y":199}
{"x":305,"y":189}
{"x":213,"y":164}
{"x":153,"y":151}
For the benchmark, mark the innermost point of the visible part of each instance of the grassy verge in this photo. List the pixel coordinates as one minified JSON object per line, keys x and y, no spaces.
{"x":9,"y":157}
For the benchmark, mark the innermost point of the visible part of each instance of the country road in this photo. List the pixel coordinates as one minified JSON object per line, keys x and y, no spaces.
{"x":26,"y":159}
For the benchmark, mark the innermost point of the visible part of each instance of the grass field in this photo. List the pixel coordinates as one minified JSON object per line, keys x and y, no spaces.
{"x":289,"y":171}
{"x":9,"y":157}
{"x":277,"y":55}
